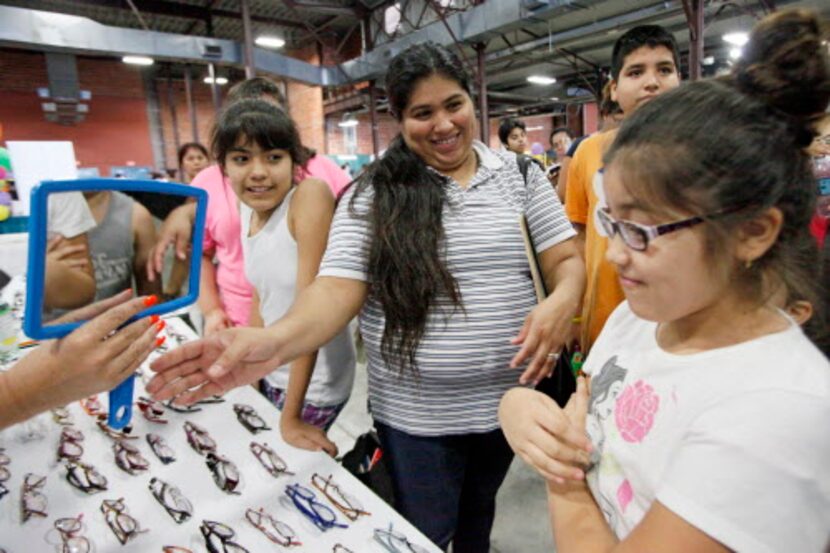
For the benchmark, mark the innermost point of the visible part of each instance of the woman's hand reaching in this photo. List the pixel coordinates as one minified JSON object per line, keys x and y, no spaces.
{"x":212,"y":366}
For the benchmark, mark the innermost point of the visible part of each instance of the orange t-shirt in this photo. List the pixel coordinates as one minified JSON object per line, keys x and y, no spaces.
{"x":603,"y":292}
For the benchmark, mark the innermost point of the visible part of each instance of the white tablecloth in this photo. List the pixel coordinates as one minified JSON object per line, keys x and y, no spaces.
{"x":190,"y":473}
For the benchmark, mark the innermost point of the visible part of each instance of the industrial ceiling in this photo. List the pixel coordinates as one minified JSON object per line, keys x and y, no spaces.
{"x":565,"y":39}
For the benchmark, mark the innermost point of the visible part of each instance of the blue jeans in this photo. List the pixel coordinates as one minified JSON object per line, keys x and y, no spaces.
{"x":446,"y":485}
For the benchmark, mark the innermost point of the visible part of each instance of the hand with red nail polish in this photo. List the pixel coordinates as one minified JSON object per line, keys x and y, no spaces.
{"x":103,"y":354}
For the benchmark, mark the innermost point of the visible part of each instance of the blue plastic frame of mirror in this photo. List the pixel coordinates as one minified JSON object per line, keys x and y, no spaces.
{"x":120,"y":397}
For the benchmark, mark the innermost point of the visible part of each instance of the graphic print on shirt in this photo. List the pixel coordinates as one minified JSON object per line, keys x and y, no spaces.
{"x":635,"y":410}
{"x":606,"y":386}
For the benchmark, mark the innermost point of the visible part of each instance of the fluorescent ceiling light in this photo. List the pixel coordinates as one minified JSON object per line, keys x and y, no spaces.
{"x":219,"y":80}
{"x":348,"y":123}
{"x":137,"y":60}
{"x":735,"y":53}
{"x":269,"y":42}
{"x":737,"y":39}
{"x":555,"y":98}
{"x":540,"y":79}
{"x":709,"y":60}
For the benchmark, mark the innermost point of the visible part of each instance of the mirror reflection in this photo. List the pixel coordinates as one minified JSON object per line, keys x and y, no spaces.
{"x":98,"y":242}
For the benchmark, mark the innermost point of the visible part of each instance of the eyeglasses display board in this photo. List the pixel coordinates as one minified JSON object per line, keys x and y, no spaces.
{"x":214,"y":477}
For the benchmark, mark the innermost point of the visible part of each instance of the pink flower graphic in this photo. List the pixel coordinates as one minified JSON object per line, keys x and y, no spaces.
{"x":624,"y":494}
{"x":635,"y":410}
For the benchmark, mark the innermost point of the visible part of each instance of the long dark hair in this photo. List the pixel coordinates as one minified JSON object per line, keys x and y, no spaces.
{"x":261,"y":123}
{"x":406,"y":258}
{"x":745,"y":156}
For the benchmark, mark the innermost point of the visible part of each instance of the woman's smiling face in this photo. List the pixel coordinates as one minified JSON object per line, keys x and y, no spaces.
{"x":438,"y":123}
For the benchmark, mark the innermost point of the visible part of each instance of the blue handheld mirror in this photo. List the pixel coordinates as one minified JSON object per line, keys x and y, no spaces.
{"x":103,"y":216}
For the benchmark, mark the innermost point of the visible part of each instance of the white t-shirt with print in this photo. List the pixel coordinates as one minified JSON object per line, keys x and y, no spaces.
{"x":736,"y":440}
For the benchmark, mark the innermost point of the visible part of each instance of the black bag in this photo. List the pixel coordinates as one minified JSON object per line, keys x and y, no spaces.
{"x":562,"y":383}
{"x":375,"y":475}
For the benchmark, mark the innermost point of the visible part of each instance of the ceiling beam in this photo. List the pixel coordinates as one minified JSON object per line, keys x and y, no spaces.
{"x":186,"y":11}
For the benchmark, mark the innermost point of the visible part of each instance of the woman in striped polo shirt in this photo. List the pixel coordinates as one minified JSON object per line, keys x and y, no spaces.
{"x":427,"y":250}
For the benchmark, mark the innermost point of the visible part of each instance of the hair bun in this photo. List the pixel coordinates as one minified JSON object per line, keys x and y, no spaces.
{"x":785,"y":64}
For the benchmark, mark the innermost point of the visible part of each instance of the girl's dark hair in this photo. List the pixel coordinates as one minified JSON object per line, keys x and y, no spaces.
{"x":261,"y":123}
{"x":408,"y":272}
{"x":184,"y":148}
{"x":745,"y":156}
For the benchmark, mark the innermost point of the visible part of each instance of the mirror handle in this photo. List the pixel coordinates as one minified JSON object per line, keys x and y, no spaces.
{"x":121,"y":404}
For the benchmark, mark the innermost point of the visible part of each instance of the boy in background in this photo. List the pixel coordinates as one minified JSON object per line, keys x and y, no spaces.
{"x":645,"y":63}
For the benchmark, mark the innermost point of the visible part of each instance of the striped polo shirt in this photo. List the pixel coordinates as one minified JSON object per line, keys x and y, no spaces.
{"x":463,"y":358}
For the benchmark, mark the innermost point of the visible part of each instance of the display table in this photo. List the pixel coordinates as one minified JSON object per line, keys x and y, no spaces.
{"x":32,"y":447}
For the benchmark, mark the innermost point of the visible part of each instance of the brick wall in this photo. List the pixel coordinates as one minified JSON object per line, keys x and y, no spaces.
{"x":115,"y":132}
{"x":305,"y":105}
{"x":205,"y":114}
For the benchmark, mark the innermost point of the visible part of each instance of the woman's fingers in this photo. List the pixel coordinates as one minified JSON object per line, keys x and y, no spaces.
{"x":206,"y":389}
{"x":137,"y":351}
{"x":121,"y":340}
{"x":95,"y":309}
{"x":101,"y":326}
{"x":189,"y":351}
{"x":169,"y":384}
{"x":531,"y":341}
{"x":236,"y":349}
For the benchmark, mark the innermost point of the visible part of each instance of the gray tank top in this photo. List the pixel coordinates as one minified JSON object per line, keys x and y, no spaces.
{"x":111,"y":248}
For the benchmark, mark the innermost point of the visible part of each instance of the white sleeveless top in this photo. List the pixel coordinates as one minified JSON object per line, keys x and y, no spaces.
{"x":271,"y":267}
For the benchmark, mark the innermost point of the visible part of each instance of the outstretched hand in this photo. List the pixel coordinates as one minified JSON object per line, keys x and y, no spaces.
{"x":103,"y":352}
{"x":212,"y":366}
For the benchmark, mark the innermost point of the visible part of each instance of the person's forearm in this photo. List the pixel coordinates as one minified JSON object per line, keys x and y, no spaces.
{"x":23,"y":392}
{"x":567,"y":282}
{"x":577,"y":522}
{"x":301,"y":371}
{"x":67,"y":288}
{"x":320,"y":311}
{"x":208,"y":292}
